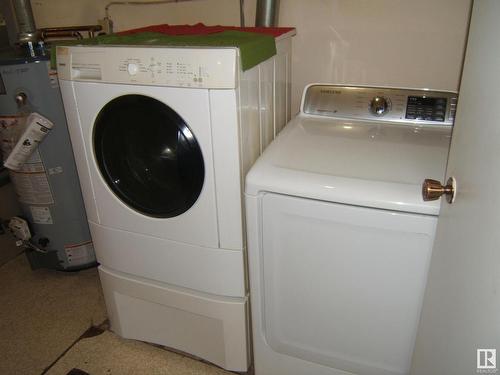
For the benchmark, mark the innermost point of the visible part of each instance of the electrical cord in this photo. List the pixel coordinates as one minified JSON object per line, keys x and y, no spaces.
{"x":4,"y":226}
{"x":29,"y":245}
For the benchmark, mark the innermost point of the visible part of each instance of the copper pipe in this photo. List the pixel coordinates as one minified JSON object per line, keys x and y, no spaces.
{"x":50,"y":32}
{"x":61,"y":34}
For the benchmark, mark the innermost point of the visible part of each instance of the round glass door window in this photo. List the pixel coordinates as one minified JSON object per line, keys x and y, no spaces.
{"x":148,"y":156}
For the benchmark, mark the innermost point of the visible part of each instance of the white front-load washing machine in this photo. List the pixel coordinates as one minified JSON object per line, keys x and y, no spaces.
{"x":162,"y":139}
{"x":339,"y":237}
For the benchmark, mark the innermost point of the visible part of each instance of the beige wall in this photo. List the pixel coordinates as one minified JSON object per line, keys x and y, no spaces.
{"x":403,"y":43}
{"x":78,"y":12}
{"x":375,"y":42}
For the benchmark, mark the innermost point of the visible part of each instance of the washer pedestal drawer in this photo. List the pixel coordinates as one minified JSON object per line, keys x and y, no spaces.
{"x":211,"y":327}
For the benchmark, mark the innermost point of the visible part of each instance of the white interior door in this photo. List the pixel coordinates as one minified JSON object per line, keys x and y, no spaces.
{"x":461,"y":312}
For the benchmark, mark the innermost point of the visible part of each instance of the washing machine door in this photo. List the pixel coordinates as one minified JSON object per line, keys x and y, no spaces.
{"x":148,"y":156}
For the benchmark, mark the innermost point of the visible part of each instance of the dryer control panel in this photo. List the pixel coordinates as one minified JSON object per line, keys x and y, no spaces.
{"x":208,"y":68}
{"x":381,"y":103}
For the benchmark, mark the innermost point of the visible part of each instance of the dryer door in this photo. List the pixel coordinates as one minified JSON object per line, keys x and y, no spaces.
{"x":342,"y":286}
{"x":148,"y":156}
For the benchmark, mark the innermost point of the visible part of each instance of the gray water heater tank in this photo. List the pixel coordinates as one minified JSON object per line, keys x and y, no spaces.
{"x":48,"y":188}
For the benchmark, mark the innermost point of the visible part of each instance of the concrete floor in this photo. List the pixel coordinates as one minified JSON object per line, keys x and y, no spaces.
{"x":8,"y":250}
{"x":47,"y":321}
{"x":107,"y":353}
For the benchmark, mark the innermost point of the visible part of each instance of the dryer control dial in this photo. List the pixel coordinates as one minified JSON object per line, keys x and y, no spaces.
{"x":379,"y":105}
{"x":132,"y":69}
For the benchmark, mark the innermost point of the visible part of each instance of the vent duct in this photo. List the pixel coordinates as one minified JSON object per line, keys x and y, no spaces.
{"x":267,"y":13}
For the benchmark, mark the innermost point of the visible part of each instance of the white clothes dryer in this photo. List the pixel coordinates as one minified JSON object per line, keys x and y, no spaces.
{"x":162,"y":139}
{"x":339,"y":237}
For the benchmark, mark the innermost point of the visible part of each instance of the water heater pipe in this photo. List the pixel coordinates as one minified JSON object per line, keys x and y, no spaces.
{"x":24,"y":17}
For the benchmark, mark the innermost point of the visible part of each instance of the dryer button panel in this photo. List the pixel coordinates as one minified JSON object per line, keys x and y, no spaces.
{"x":426,"y":108}
{"x":406,"y":106}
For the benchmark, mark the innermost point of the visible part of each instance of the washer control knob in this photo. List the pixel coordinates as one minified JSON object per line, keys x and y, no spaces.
{"x":132,"y":69}
{"x":379,"y":106}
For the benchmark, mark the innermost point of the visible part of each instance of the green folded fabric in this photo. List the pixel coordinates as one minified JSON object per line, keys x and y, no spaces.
{"x":254,"y":48}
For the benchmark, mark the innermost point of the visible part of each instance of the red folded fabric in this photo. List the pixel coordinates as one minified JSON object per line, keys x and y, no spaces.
{"x":201,"y":29}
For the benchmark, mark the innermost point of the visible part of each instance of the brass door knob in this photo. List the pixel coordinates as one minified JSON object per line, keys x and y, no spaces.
{"x":432,"y":190}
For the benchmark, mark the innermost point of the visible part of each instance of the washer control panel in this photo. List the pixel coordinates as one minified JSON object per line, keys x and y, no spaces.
{"x":211,"y":68}
{"x":380,"y":103}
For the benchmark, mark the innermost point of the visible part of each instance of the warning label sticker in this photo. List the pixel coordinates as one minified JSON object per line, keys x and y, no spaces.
{"x":33,"y":164}
{"x":41,"y":215}
{"x":32,"y":187}
{"x":54,"y":83}
{"x":9,"y":126}
{"x":9,"y":129}
{"x":30,"y":182}
{"x":80,"y":253}
{"x":55,"y":170}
